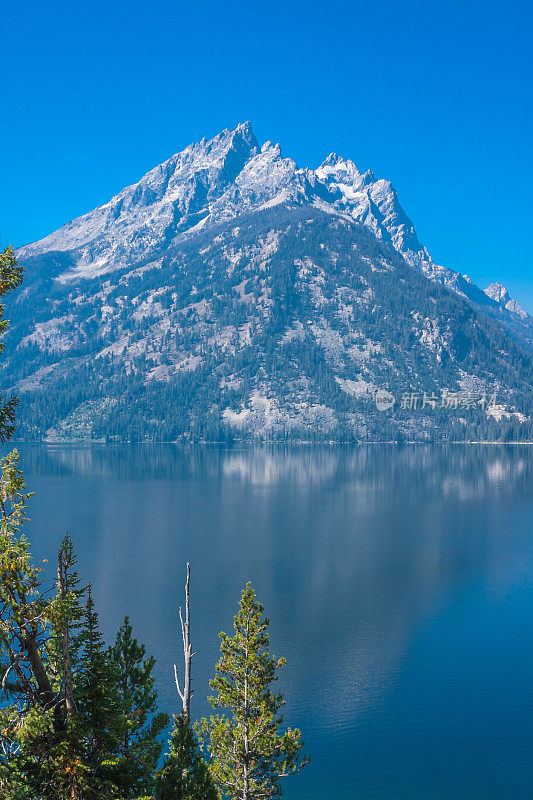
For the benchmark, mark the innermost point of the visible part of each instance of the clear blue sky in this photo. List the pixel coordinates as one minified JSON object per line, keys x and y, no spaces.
{"x":435,"y":96}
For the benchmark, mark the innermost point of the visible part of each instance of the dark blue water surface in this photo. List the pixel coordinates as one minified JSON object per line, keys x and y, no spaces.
{"x":398,"y":582}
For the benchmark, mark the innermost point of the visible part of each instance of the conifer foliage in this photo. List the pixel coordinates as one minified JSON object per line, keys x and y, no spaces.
{"x":11,"y":274}
{"x":62,"y":711}
{"x":98,"y":702}
{"x":185,"y":775}
{"x":248,"y":754}
{"x":79,"y":719}
{"x":140,"y":725}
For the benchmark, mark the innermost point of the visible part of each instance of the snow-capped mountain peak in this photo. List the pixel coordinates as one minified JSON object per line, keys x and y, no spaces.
{"x":215,"y":179}
{"x":218,"y":179}
{"x":144,"y":213}
{"x":335,"y":169}
{"x":500,"y":294}
{"x":373,"y":202}
{"x":230,"y":289}
{"x":497,"y":292}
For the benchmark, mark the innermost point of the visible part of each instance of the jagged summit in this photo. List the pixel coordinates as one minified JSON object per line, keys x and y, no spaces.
{"x":231,"y":289}
{"x":220,"y":178}
{"x":497,"y":292}
{"x":223,"y":177}
{"x":170,"y":198}
{"x":500,"y":294}
{"x":336,"y":165}
{"x":245,"y":129}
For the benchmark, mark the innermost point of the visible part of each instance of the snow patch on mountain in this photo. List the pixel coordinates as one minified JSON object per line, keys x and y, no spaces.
{"x":499,"y":293}
{"x":220,"y":179}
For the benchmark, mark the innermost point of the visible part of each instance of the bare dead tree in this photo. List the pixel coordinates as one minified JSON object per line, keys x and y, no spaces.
{"x":187,"y":655}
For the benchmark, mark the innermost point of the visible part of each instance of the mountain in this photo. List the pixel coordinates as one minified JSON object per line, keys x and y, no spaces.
{"x":230,"y":293}
{"x":500,"y":295}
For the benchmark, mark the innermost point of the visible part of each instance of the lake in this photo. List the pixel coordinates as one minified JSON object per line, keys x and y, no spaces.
{"x":398,"y":582}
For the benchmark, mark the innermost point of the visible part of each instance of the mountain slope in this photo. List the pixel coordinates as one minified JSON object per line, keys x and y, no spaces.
{"x":231,"y":293}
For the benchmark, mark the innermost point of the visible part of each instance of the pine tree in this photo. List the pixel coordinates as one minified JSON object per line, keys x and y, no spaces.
{"x":68,"y":763}
{"x":98,"y":704}
{"x":248,"y":755}
{"x":10,"y":278}
{"x":67,"y":621}
{"x":185,"y":775}
{"x":41,"y":642}
{"x":42,"y":753}
{"x":139,"y":747}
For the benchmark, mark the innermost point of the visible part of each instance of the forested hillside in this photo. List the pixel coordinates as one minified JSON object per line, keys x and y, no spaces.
{"x":231,"y":295}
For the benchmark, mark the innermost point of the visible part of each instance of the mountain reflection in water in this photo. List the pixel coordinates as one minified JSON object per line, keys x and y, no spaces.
{"x":398,"y":582}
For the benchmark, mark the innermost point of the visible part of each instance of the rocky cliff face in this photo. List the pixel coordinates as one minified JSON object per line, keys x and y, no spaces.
{"x":230,"y":292}
{"x":500,"y":295}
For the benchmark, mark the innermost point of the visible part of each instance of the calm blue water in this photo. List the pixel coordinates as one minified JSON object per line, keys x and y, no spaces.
{"x":398,"y":582}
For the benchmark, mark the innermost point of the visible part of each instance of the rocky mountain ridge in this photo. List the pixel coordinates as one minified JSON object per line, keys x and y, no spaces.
{"x":231,"y":292}
{"x":215,"y":180}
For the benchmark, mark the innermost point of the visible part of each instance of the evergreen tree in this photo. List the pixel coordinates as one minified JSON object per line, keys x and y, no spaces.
{"x":10,"y":278}
{"x":39,"y":653}
{"x":98,"y":702}
{"x":63,"y":723}
{"x":19,"y":577}
{"x":185,"y":775}
{"x":248,"y":755}
{"x":68,"y":758}
{"x":138,"y":748}
{"x":66,"y":614}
